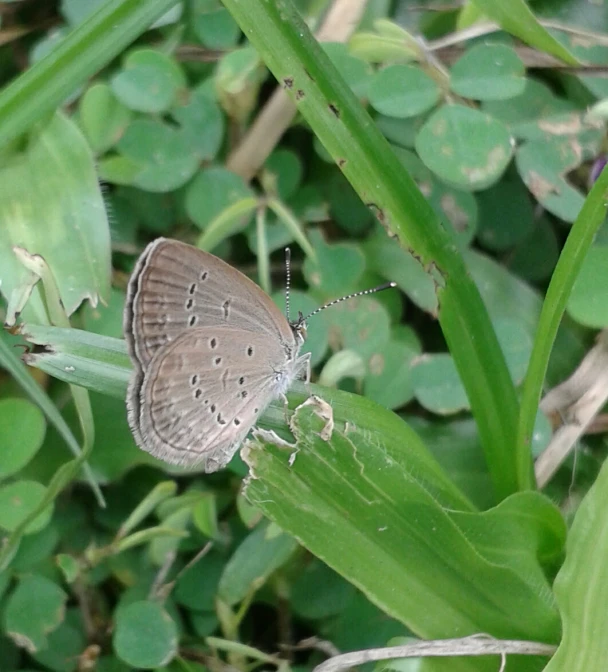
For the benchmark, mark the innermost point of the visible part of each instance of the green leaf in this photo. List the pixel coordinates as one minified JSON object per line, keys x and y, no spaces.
{"x":65,"y":645}
{"x":214,"y":26}
{"x":35,"y":608}
{"x":202,"y":123}
{"x":148,"y":82}
{"x":437,"y":384}
{"x":361,"y":325}
{"x":258,"y":556}
{"x":212,"y":191}
{"x":488,"y":72}
{"x":102,"y":117}
{"x":197,"y":587}
{"x":205,"y":517}
{"x":282,"y":173}
{"x":542,"y":166}
{"x":403,"y":91}
{"x":400,"y":266}
{"x":588,"y":302}
{"x":145,"y":636}
{"x":18,"y":500}
{"x":516,"y":17}
{"x":49,"y":194}
{"x":465,"y":147}
{"x":535,"y":257}
{"x":165,"y":156}
{"x":319,"y":592}
{"x":22,"y":429}
{"x":356,"y":73}
{"x":506,"y":214}
{"x":427,"y":554}
{"x":336,"y":268}
{"x":581,"y":587}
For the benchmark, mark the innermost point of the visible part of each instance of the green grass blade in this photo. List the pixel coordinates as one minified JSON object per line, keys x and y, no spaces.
{"x":350,"y":136}
{"x":580,"y":239}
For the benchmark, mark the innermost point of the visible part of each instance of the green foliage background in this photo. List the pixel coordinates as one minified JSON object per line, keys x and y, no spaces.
{"x":457,"y":158}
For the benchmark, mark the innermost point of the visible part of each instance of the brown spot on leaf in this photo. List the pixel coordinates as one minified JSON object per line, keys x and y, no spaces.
{"x":539,"y":186}
{"x":288,"y":82}
{"x":496,"y":158}
{"x":457,"y":216}
{"x":300,"y":94}
{"x":565,"y":126}
{"x":376,"y":364}
{"x":341,"y":163}
{"x":334,"y":110}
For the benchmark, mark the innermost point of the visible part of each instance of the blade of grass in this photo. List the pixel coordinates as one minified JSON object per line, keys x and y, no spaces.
{"x":366,"y":159}
{"x":227,"y":223}
{"x":88,"y":48}
{"x":580,"y":239}
{"x":294,"y":226}
{"x":57,"y":315}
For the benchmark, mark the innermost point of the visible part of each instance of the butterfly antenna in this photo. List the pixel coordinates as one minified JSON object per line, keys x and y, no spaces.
{"x":380,"y":288}
{"x":287,"y":280}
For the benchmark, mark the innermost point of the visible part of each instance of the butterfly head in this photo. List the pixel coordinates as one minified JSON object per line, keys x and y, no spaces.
{"x":298,"y":327}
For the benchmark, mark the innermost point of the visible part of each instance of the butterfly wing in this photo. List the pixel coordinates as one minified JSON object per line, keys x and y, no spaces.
{"x":202,"y":393}
{"x":176,"y":287}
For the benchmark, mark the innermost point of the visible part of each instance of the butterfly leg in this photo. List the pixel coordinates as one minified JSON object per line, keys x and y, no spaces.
{"x":303,"y":364}
{"x":283,"y":398}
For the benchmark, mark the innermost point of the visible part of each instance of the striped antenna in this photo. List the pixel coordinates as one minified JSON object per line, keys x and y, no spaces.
{"x":287,"y":280}
{"x":380,"y":288}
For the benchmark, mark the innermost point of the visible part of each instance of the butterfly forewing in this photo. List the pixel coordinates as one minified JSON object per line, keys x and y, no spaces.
{"x":203,"y":392}
{"x":176,"y":287}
